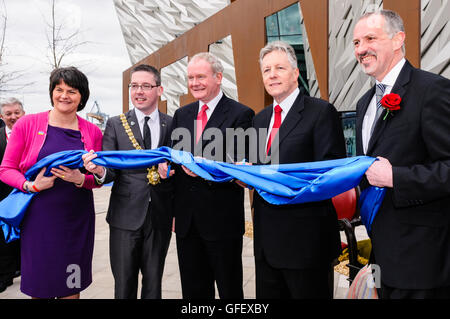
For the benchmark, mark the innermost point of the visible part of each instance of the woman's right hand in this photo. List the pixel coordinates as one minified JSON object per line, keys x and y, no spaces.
{"x":91,"y":167}
{"x":43,"y":182}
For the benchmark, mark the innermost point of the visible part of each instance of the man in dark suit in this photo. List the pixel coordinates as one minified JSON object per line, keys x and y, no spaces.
{"x":10,"y":111}
{"x":294,"y":244}
{"x":209,"y":217}
{"x":411,"y":232}
{"x":139,"y":213}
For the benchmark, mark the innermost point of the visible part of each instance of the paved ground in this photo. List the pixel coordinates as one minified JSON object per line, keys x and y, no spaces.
{"x":102,"y":286}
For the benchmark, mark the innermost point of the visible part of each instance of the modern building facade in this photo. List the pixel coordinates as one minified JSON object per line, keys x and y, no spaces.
{"x":165,"y":33}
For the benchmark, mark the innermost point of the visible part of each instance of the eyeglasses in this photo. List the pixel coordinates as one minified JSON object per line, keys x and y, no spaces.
{"x":145,"y":87}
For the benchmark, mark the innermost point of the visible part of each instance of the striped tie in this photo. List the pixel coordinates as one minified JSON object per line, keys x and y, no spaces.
{"x":379,"y":92}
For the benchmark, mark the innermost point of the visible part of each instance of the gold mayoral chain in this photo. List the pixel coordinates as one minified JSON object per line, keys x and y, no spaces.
{"x":152,"y":173}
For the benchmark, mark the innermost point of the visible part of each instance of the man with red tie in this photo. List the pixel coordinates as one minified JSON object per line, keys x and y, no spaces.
{"x":294,"y":244}
{"x":209,"y":217}
{"x":10,"y":111}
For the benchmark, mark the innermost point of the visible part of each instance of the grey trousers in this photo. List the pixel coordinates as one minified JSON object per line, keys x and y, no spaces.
{"x":142,"y":250}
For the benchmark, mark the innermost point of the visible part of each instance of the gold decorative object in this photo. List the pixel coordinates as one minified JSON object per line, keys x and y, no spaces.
{"x":248,"y":229}
{"x":152,"y":173}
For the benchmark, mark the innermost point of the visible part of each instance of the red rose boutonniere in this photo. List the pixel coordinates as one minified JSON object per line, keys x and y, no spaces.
{"x":391,"y":102}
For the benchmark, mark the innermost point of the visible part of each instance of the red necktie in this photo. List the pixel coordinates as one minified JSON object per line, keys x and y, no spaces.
{"x":276,"y":126}
{"x":202,"y":118}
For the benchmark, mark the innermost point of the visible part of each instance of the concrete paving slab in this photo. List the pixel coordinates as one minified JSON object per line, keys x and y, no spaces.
{"x":102,"y":286}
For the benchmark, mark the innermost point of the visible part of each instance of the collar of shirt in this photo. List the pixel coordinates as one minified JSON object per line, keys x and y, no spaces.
{"x":211,"y":104}
{"x":391,"y":77}
{"x":7,"y":130}
{"x":285,"y":105}
{"x":140,"y":116}
{"x":389,"y":81}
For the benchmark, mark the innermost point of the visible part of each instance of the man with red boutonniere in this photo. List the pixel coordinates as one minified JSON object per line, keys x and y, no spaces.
{"x":404,"y":121}
{"x":391,"y":102}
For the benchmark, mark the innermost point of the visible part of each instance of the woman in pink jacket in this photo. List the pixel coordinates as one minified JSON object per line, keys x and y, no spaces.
{"x":57,"y":233}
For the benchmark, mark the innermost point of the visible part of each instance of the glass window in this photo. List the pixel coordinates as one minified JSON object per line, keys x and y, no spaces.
{"x":272,"y":26}
{"x":285,"y":26}
{"x":349,"y":126}
{"x":292,"y":39}
{"x":271,"y":39}
{"x":289,"y":19}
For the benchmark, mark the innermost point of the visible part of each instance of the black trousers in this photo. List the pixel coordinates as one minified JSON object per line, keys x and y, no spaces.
{"x":203,"y":263}
{"x":9,"y":258}
{"x":142,"y":250}
{"x":274,"y":283}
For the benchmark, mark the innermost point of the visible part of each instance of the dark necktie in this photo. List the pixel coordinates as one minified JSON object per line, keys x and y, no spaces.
{"x":379,"y":92}
{"x":147,"y":134}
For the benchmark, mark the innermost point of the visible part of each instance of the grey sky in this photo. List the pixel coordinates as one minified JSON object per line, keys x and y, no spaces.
{"x":102,"y":60}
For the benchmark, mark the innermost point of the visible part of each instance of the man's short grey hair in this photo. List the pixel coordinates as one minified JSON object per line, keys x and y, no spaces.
{"x":393,"y":22}
{"x":279,"y":46}
{"x":215,"y":63}
{"x":9,"y":101}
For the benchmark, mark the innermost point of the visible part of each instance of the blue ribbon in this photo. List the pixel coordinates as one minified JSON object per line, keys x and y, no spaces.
{"x":277,"y":184}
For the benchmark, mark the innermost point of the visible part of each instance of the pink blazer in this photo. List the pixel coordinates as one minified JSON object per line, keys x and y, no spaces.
{"x":26,"y":140}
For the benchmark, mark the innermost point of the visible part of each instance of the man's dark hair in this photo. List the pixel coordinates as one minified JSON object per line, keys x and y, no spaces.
{"x":73,"y":78}
{"x":150,"y":69}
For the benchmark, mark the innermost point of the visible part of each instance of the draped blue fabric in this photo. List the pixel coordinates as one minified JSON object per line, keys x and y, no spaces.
{"x":369,"y":203}
{"x":277,"y":184}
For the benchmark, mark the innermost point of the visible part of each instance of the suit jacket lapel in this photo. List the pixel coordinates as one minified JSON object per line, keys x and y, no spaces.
{"x":403,"y":79}
{"x":134,"y":125}
{"x":162,"y":129}
{"x":218,"y":116}
{"x":292,"y":118}
{"x":398,"y":88}
{"x":189,"y":121}
{"x":2,"y":140}
{"x":364,"y":104}
{"x":289,"y":123}
{"x":262,"y":127}
{"x":266,"y":120}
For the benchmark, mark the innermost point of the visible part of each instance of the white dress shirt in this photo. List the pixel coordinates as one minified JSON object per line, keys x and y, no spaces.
{"x":155,"y":131}
{"x":153,"y":124}
{"x":285,"y":106}
{"x":8,"y":132}
{"x":388,"y":81}
{"x":211,"y":104}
